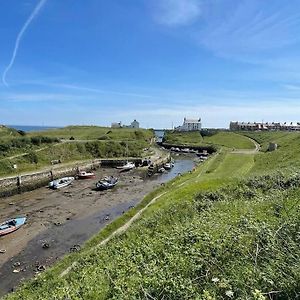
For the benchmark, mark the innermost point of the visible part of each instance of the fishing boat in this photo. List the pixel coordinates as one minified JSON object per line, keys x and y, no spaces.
{"x":11,"y":225}
{"x":60,"y":183}
{"x":106,"y":183}
{"x":85,"y":175}
{"x":128,"y":166}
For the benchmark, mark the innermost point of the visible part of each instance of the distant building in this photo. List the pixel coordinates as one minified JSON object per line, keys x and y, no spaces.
{"x":135,"y":124}
{"x":190,"y":125}
{"x":116,"y":125}
{"x":258,"y":126}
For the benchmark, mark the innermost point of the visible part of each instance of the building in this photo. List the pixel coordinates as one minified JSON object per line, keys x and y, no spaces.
{"x":258,"y":126}
{"x":135,"y":124}
{"x":116,"y":125}
{"x":190,"y":125}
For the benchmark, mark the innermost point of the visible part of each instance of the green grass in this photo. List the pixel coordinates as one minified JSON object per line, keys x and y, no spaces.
{"x":96,"y":132}
{"x":218,"y":231}
{"x":230,"y":140}
{"x":219,"y":138}
{"x":183,"y":138}
{"x":89,"y":142}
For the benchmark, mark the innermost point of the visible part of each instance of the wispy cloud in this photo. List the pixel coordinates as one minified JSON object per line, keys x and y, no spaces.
{"x":19,"y":39}
{"x":177,"y":12}
{"x":249,"y":27}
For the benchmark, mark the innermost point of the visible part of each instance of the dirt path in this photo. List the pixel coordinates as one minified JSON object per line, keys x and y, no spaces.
{"x":248,"y":151}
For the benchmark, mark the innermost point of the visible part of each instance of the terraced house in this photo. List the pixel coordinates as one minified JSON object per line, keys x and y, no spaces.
{"x":254,"y":126}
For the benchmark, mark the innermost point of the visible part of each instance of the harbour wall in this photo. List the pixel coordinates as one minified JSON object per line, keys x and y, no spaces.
{"x":22,"y":183}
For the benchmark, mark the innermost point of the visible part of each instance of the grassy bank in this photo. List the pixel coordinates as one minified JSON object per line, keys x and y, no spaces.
{"x":36,"y":150}
{"x":217,"y":233}
{"x":217,"y":138}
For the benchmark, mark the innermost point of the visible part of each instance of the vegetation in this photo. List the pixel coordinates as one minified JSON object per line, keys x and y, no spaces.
{"x":217,"y":138}
{"x":216,"y":233}
{"x":36,"y":150}
{"x":97,"y":133}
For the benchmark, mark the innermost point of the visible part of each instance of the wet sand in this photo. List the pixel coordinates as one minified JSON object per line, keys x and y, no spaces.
{"x":67,"y":217}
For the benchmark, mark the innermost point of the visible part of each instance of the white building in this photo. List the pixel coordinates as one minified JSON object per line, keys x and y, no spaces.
{"x":135,"y":124}
{"x":190,"y":125}
{"x":116,"y":125}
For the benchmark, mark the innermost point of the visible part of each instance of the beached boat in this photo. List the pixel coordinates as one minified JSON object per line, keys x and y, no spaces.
{"x":62,"y":182}
{"x":85,"y":175}
{"x":169,"y":165}
{"x":11,"y":225}
{"x":128,"y":166}
{"x":161,"y":170}
{"x":107,"y":183}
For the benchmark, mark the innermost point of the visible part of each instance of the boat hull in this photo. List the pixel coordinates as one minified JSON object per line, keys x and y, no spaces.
{"x":60,"y":183}
{"x":11,"y":225}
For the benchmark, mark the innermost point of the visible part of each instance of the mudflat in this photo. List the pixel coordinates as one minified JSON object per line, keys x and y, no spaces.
{"x":57,"y":220}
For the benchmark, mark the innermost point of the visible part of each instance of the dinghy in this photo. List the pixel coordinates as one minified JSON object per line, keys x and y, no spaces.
{"x":85,"y":175}
{"x":62,"y":182}
{"x":11,"y":225}
{"x":106,"y":183}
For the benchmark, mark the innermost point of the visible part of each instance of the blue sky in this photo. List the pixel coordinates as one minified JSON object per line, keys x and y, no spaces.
{"x":97,"y":61}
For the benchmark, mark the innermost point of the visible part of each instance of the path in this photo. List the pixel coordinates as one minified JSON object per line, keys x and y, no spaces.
{"x":248,"y":151}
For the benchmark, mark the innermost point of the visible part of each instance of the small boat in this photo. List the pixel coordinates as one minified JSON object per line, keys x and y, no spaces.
{"x":185,"y":150}
{"x":85,"y":175}
{"x":11,"y":225}
{"x":150,"y":170}
{"x":106,"y":183}
{"x":168,"y":166}
{"x":161,"y":170}
{"x":62,"y":182}
{"x":128,"y":166}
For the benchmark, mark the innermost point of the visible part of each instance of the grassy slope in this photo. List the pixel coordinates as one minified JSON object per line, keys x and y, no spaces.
{"x":184,"y":138}
{"x":241,"y":239}
{"x":94,"y":133}
{"x":108,"y":144}
{"x":222,"y":138}
{"x":230,"y":140}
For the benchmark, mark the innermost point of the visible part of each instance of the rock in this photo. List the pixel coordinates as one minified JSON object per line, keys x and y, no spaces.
{"x":2,"y":251}
{"x":57,"y":223}
{"x":17,"y":264}
{"x":40,"y":268}
{"x":75,"y":248}
{"x":16,"y":271}
{"x":45,"y":245}
{"x":11,"y":203}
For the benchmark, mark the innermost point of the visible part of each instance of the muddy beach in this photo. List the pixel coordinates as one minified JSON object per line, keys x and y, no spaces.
{"x":57,"y":220}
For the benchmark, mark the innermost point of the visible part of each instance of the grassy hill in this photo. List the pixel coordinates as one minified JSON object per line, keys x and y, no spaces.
{"x":215,"y":233}
{"x":96,"y":133}
{"x":36,"y":150}
{"x":218,"y":138}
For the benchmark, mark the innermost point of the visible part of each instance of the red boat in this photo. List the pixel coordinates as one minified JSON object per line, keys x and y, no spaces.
{"x":85,"y":175}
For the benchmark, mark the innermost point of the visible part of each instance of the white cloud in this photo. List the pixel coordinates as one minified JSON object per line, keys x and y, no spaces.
{"x":177,"y":12}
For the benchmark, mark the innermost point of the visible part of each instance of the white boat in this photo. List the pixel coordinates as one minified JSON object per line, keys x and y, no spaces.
{"x":128,"y":166}
{"x":85,"y":175}
{"x":161,"y":170}
{"x":168,"y":166}
{"x":62,"y":182}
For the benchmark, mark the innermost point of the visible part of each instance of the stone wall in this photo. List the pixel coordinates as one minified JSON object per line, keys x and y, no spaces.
{"x":18,"y":184}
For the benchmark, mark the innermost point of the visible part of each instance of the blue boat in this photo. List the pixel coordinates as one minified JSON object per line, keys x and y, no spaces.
{"x":11,"y":225}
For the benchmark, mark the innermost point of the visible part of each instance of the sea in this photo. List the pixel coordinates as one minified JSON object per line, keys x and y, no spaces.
{"x":29,"y":128}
